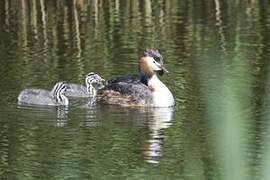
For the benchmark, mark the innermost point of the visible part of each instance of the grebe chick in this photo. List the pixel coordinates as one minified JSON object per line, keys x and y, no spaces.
{"x":42,"y":97}
{"x":93,"y":82}
{"x":144,"y":89}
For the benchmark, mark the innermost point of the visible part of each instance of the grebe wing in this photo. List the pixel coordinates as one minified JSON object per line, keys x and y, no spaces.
{"x":126,"y":91}
{"x":125,"y":79}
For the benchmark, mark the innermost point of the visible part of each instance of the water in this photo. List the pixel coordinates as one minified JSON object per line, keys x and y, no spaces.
{"x":217,"y":53}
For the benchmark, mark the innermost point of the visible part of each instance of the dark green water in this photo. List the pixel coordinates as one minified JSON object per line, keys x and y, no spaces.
{"x":217,"y":53}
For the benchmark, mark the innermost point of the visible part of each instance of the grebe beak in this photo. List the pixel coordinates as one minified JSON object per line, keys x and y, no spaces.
{"x":162,"y":71}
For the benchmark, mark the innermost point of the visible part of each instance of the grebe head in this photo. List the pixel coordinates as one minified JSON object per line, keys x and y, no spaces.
{"x":58,"y":93}
{"x":93,"y":83}
{"x":155,"y":53}
{"x":151,"y":63}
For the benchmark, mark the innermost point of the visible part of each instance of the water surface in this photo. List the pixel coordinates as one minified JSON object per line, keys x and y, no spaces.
{"x":217,"y":53}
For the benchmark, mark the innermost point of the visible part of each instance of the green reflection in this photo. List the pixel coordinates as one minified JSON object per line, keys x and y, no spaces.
{"x":217,"y":53}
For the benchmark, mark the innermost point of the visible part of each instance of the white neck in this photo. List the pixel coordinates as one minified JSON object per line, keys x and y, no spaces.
{"x":162,"y":96}
{"x":91,"y":90}
{"x":64,"y":101}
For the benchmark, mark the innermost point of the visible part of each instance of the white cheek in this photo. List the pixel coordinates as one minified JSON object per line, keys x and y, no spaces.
{"x":154,"y":66}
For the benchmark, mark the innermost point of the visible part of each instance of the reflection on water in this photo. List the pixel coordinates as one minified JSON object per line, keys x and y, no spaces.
{"x":160,"y":119}
{"x":59,"y":113}
{"x":217,"y":53}
{"x":91,"y":113}
{"x":155,"y":120}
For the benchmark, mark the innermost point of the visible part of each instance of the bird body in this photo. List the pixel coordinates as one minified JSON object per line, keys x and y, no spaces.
{"x":77,"y":90}
{"x":93,"y":82}
{"x":144,"y":89}
{"x":42,"y":97}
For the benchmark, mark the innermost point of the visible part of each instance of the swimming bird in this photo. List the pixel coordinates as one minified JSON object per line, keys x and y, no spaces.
{"x":144,"y":89}
{"x":93,"y":82}
{"x":55,"y":97}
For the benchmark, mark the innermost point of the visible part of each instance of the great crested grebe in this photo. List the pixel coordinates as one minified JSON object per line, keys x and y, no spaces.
{"x":92,"y":81}
{"x":55,"y":97}
{"x":144,"y":89}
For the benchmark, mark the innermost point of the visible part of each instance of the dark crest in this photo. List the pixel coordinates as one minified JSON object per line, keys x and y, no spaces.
{"x":154,"y":53}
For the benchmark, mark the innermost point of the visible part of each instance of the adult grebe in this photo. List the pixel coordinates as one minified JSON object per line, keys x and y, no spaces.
{"x":55,"y":97}
{"x":92,"y":81}
{"x":144,"y":89}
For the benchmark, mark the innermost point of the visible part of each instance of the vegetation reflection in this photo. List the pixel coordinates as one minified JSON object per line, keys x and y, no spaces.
{"x":217,"y":52}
